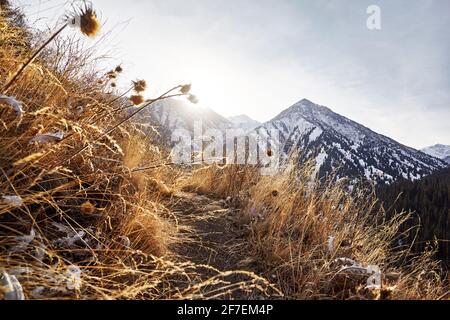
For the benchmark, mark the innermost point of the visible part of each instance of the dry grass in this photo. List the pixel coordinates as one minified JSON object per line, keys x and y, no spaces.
{"x":82,"y":216}
{"x":308,"y":235}
{"x":75,"y":221}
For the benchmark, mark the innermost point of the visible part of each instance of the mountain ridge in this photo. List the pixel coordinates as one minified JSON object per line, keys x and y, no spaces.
{"x":337,"y":145}
{"x":335,"y":141}
{"x":439,"y":151}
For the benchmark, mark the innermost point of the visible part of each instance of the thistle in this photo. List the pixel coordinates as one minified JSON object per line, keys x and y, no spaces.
{"x":84,"y":18}
{"x":193,"y":99}
{"x":140,"y":86}
{"x":111,"y":74}
{"x":137,"y":99}
{"x":119,"y":69}
{"x":88,"y":21}
{"x":87,"y":208}
{"x":185,"y":89}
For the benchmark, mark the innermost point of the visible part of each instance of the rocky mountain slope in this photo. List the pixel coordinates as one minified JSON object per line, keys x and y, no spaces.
{"x":340,"y":145}
{"x":244,"y":122}
{"x":439,"y":151}
{"x":334,"y":143}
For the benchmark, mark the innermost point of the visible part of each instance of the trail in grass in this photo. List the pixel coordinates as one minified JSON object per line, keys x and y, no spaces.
{"x":213,"y":237}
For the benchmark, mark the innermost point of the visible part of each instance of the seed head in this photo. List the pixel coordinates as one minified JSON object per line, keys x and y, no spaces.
{"x":118,"y":69}
{"x":139,"y":85}
{"x":193,"y":99}
{"x":185,"y":89}
{"x":269,"y":153}
{"x":86,"y":19}
{"x":275,"y":193}
{"x":137,"y":99}
{"x":87,"y":208}
{"x":111,"y":74}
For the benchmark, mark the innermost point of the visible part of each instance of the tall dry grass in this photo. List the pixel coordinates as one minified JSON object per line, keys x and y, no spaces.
{"x":81,"y":190}
{"x":319,"y":241}
{"x":76,"y":220}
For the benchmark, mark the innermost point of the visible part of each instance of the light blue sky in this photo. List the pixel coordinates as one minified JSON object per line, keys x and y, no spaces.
{"x":258,"y":57}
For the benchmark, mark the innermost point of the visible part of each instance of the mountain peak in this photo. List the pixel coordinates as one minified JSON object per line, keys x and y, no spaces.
{"x":306,"y":102}
{"x":303,"y":107}
{"x":244,"y":122}
{"x":346,"y":148}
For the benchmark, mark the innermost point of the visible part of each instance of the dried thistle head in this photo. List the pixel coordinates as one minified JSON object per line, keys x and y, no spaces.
{"x":86,"y":19}
{"x":111,"y":74}
{"x":275,"y":193}
{"x":269,"y":153}
{"x":185,"y":89}
{"x":113,"y":84}
{"x":87,"y":208}
{"x":193,"y":99}
{"x":139,"y":85}
{"x":137,"y":99}
{"x":118,"y":69}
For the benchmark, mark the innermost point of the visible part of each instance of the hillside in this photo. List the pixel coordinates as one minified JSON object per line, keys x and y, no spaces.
{"x":439,"y":151}
{"x":92,"y":209}
{"x":340,"y":146}
{"x":336,"y":145}
{"x":429,"y":199}
{"x":165,"y":117}
{"x":244,"y":122}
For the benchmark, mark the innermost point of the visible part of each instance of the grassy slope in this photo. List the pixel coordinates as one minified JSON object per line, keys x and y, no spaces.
{"x":86,"y":209}
{"x":81,"y":209}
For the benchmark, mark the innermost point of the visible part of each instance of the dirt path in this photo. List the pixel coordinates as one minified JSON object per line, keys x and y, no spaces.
{"x":213,"y":238}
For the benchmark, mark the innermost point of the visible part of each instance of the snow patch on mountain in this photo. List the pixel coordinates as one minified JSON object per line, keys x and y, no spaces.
{"x":439,"y":151}
{"x":243,"y":122}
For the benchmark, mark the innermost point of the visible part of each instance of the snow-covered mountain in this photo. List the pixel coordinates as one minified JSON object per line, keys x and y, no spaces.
{"x":439,"y":151}
{"x":169,"y":115}
{"x":340,"y":145}
{"x":335,"y":143}
{"x":244,"y":122}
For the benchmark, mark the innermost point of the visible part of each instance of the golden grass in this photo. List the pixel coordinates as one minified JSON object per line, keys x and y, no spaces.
{"x":69,"y":199}
{"x":82,"y":216}
{"x":304,"y":235}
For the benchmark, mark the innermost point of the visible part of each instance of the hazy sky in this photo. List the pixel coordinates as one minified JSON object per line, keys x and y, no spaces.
{"x":259,"y":57}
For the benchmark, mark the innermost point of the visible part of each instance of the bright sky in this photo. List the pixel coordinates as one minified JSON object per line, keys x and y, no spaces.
{"x":258,"y":57}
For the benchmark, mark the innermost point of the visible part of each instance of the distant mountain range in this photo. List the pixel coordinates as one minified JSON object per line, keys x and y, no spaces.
{"x":336,"y":144}
{"x":171,"y":114}
{"x":341,"y":146}
{"x":439,"y":151}
{"x":244,"y":122}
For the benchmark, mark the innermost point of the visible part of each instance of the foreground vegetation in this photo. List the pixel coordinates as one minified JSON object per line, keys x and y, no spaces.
{"x":85,"y":199}
{"x":319,"y":240}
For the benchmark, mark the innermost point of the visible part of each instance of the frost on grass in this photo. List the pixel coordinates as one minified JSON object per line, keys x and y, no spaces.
{"x":13,"y":103}
{"x":48,"y":137}
{"x":11,"y":287}
{"x":14,"y":201}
